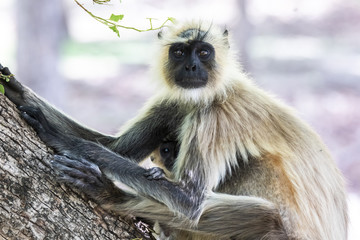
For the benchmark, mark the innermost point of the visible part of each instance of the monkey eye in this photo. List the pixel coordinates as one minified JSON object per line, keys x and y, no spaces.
{"x":166,"y":150}
{"x":204,"y":53}
{"x":179,"y":53}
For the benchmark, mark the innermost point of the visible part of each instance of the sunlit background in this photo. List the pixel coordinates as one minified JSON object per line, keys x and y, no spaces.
{"x":306,"y":52}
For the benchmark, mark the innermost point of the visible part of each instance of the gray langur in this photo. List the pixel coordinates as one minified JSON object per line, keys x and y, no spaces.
{"x":246,"y":167}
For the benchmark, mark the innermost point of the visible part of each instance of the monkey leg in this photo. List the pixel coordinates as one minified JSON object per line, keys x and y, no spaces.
{"x":223,"y":217}
{"x":241,"y":217}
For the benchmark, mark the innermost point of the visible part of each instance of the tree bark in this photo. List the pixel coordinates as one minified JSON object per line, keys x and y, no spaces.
{"x":32,"y":204}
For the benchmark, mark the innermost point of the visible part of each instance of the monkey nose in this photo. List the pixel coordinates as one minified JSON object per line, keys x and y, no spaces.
{"x":190,"y":68}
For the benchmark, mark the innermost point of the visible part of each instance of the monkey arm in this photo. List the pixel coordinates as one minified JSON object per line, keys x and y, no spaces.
{"x":124,"y":170}
{"x":148,"y":131}
{"x":21,"y":95}
{"x":136,"y":143}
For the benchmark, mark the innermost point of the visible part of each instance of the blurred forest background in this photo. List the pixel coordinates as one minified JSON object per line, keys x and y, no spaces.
{"x":305,"y":52}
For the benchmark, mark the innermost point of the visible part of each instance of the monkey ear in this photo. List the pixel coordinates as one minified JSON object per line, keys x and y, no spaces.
{"x":160,"y":35}
{"x":226,"y":39}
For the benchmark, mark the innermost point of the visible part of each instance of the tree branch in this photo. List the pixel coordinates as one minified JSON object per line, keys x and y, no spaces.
{"x":32,"y":204}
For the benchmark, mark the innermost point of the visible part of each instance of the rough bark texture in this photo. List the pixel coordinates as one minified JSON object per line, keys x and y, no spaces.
{"x":32,"y":204}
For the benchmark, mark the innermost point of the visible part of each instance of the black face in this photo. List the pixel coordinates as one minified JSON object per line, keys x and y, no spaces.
{"x":168,"y":153}
{"x":190,"y":63}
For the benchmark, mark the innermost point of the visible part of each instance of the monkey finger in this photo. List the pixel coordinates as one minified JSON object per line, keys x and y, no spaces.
{"x":74,"y":170}
{"x":154,"y":173}
{"x":91,"y":167}
{"x":34,"y":112}
{"x":68,"y":161}
{"x":66,"y":172}
{"x":34,"y":123}
{"x":63,"y":178}
{"x":62,"y":169}
{"x":79,"y":169}
{"x":79,"y":163}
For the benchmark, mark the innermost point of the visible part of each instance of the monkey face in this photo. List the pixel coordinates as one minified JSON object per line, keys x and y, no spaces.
{"x":168,"y":152}
{"x":190,"y":63}
{"x":195,"y":63}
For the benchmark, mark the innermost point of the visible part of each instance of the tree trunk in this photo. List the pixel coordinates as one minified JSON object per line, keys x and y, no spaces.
{"x":32,"y":204}
{"x":41,"y":29}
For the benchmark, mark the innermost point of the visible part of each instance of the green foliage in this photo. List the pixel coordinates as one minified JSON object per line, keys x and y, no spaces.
{"x":113,"y":21}
{"x":116,"y":18}
{"x":114,"y":28}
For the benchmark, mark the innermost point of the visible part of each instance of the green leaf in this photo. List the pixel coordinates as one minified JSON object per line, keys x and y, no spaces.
{"x":171,"y":19}
{"x":116,"y":18}
{"x":2,"y":89}
{"x":114,"y":28}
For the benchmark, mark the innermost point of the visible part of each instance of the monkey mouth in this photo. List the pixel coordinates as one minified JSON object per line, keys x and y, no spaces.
{"x":189,"y":83}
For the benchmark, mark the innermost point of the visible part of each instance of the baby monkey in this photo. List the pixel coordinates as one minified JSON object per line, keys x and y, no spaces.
{"x":160,"y":163}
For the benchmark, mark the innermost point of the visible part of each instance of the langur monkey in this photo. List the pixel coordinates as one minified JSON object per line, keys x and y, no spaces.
{"x":246,"y":168}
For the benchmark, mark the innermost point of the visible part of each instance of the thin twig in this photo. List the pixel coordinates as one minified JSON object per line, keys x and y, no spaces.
{"x":112,"y":24}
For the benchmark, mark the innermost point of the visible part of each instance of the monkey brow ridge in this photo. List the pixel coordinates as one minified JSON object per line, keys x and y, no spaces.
{"x":195,"y":34}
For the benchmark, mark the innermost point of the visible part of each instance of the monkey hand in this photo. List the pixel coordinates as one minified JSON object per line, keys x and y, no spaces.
{"x":48,"y":134}
{"x":14,"y":90}
{"x":154,"y":173}
{"x":85,"y":176}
